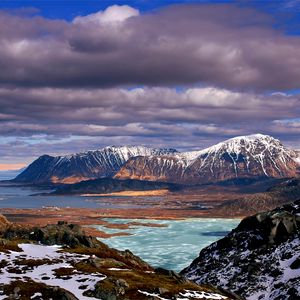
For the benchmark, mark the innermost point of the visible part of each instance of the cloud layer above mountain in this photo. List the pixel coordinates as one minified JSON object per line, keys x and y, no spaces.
{"x":189,"y":73}
{"x":179,"y":45}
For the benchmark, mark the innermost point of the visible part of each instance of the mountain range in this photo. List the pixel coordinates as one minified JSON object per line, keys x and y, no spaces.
{"x":253,"y":156}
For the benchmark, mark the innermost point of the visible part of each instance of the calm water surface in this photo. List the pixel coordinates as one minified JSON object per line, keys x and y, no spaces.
{"x":23,"y":197}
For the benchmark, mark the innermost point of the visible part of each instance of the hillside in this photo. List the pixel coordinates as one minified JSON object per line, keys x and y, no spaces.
{"x":258,"y":260}
{"x":83,"y":166}
{"x":281,"y":193}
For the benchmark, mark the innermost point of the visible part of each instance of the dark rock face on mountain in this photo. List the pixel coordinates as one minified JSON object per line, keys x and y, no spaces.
{"x":110,"y":185}
{"x":164,"y":168}
{"x":281,"y":193}
{"x":260,"y":259}
{"x":242,"y":157}
{"x":83,"y":166}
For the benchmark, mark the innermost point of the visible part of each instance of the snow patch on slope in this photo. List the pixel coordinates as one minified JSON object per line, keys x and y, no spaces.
{"x":45,"y":273}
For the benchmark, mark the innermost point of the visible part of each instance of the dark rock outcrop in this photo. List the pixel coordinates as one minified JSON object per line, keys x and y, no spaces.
{"x":257,"y":260}
{"x":110,"y":185}
{"x":22,"y":290}
{"x":60,"y":234}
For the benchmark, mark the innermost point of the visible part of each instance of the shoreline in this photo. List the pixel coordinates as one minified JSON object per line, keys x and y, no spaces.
{"x":87,"y":217}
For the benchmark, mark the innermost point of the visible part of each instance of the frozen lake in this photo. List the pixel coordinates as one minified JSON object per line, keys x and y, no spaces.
{"x":171,"y":247}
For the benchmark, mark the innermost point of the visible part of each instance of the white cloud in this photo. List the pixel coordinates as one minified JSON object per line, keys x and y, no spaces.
{"x":112,"y":14}
{"x":212,"y":97}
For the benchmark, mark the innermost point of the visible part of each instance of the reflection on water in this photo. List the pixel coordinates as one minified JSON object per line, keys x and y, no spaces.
{"x":172,"y":247}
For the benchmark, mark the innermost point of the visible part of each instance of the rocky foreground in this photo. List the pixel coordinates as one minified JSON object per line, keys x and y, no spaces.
{"x":60,"y":262}
{"x":258,"y":260}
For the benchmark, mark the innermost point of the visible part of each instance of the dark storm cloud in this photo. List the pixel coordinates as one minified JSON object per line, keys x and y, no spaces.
{"x":181,"y":45}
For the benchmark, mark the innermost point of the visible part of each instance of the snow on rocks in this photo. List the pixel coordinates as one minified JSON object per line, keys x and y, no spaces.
{"x":188,"y":294}
{"x":49,"y":259}
{"x":247,"y":153}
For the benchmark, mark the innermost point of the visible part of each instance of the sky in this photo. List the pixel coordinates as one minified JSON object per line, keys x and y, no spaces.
{"x":82,"y":75}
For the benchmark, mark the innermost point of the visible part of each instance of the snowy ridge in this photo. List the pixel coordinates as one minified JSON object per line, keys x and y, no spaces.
{"x":245,"y":152}
{"x":238,"y":146}
{"x":121,"y":154}
{"x":241,"y":157}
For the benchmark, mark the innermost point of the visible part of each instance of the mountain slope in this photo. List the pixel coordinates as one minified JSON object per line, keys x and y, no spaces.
{"x":281,"y":193}
{"x":241,"y":157}
{"x":89,"y":165}
{"x":257,"y":260}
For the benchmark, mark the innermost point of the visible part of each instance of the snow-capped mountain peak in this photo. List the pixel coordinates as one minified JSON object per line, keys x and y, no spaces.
{"x":248,"y":142}
{"x":259,"y":155}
